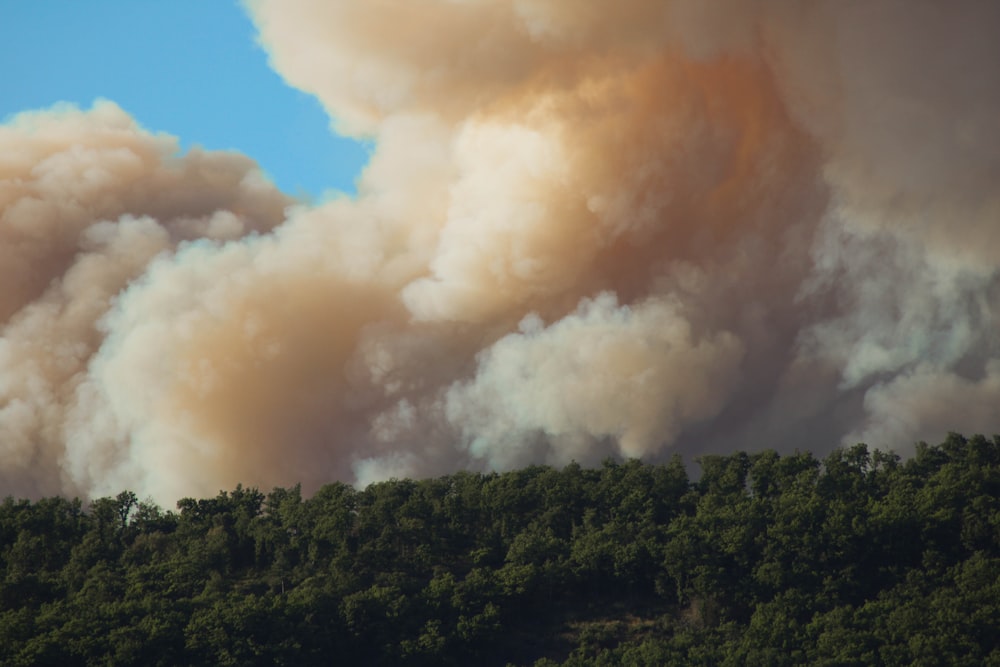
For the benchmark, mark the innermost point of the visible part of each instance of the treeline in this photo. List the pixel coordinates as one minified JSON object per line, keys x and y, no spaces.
{"x":858,"y":559}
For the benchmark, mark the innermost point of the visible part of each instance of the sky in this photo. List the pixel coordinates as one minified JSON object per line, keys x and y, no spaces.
{"x":191,"y":68}
{"x":582,"y":230}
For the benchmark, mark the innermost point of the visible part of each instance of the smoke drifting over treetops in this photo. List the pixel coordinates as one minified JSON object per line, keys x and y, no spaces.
{"x":587,"y":229}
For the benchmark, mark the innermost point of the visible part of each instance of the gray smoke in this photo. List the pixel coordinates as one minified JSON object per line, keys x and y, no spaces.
{"x":585,"y":231}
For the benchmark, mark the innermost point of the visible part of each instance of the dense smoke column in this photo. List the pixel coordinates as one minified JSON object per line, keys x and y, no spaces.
{"x":585,"y":231}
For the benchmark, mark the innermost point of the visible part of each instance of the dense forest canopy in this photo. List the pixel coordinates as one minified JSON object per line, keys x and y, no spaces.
{"x":857,"y":559}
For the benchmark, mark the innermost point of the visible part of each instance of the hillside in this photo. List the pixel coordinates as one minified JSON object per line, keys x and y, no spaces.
{"x":857,"y":559}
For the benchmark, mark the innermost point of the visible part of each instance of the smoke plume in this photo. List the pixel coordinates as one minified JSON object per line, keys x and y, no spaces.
{"x":585,"y":231}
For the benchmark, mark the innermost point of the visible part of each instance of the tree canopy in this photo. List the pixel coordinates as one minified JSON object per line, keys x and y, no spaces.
{"x":856,"y":559}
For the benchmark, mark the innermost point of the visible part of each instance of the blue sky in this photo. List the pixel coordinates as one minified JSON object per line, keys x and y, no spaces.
{"x":191,"y":68}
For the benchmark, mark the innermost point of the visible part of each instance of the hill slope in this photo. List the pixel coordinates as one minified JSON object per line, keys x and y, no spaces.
{"x":859,"y":559}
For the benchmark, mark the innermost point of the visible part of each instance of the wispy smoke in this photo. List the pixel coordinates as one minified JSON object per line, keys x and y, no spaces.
{"x":586,"y":230}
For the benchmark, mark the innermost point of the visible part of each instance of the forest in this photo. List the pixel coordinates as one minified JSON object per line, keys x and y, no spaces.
{"x":859,"y":558}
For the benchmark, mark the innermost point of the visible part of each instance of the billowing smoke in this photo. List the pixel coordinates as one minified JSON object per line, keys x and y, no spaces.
{"x":588,"y":229}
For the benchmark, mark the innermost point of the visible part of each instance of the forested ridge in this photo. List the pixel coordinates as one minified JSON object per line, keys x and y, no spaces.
{"x":857,"y":559}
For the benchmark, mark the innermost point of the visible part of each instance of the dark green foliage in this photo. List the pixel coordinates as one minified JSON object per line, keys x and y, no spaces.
{"x":859,"y":559}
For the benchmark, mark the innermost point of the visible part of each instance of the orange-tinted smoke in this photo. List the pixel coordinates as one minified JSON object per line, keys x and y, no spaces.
{"x":585,"y":231}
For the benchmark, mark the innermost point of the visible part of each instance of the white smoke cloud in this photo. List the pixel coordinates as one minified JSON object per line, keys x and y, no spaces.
{"x":584,"y":231}
{"x":631,"y":375}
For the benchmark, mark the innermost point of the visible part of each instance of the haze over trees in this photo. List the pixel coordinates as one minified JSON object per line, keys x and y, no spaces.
{"x":856,"y":559}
